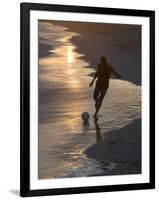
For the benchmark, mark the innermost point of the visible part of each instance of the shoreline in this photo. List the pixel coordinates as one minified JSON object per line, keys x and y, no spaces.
{"x":119,"y":151}
{"x":129,"y":73}
{"x":123,"y":54}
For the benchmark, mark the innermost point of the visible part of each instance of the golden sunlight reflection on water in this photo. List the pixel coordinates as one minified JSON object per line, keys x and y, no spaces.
{"x":62,"y":67}
{"x":70,"y":54}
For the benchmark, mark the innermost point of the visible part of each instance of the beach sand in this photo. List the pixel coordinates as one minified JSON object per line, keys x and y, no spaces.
{"x":122,"y":148}
{"x":67,"y":147}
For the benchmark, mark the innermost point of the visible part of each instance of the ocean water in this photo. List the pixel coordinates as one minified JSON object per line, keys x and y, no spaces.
{"x":64,"y":94}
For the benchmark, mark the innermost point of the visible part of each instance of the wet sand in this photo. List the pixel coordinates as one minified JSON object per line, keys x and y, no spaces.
{"x":121,"y":147}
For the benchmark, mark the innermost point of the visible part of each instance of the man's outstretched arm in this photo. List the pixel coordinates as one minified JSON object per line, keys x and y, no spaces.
{"x":115,"y":73}
{"x":91,"y":83}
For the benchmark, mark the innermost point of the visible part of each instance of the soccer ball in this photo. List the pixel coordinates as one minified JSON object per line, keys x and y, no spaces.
{"x":85,"y":116}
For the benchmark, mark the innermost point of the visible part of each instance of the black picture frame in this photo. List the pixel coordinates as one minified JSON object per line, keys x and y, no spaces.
{"x":25,"y":9}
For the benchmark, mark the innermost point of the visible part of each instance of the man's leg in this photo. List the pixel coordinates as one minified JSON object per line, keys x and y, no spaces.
{"x":96,"y":94}
{"x":100,"y":100}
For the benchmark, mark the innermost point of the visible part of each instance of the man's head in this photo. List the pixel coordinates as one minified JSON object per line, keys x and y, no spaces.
{"x":103,"y":59}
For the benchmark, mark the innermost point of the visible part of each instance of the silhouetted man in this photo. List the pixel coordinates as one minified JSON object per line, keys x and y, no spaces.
{"x":102,"y":75}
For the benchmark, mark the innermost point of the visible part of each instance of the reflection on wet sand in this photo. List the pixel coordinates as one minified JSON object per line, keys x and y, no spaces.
{"x":98,"y":133}
{"x":99,"y":136}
